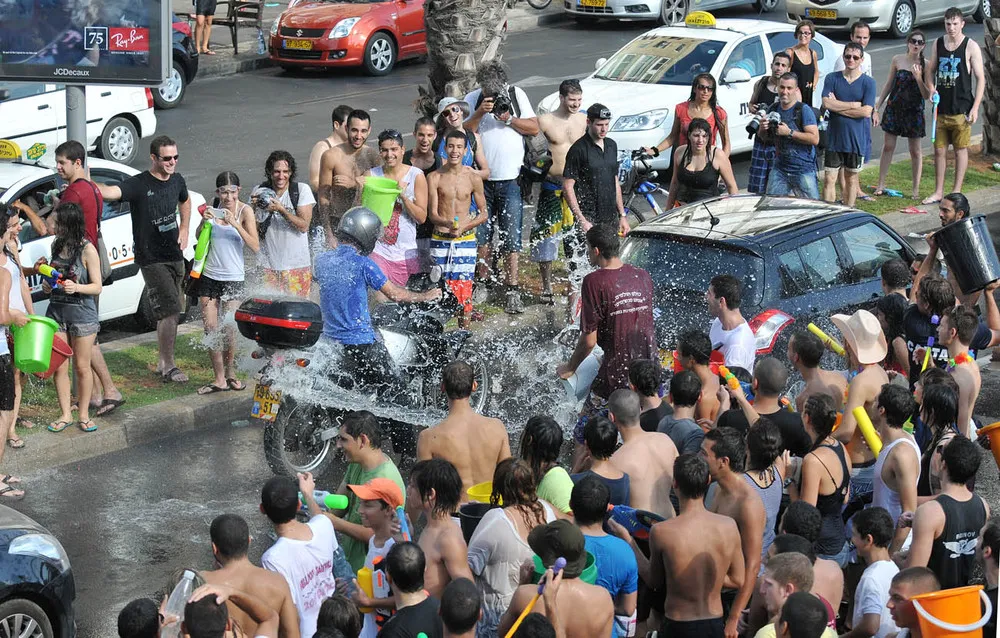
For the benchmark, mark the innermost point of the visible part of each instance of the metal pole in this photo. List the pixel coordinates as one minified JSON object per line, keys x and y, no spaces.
{"x":76,"y":114}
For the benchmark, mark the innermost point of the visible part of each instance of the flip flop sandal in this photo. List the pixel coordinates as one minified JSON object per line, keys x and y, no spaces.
{"x":25,"y":423}
{"x":108,"y":406}
{"x":172,"y":375}
{"x":878,"y":192}
{"x":92,"y":427}
{"x":10,"y":479}
{"x":235,"y":385}
{"x":211,"y":389}
{"x":927,"y":201}
{"x":17,"y":444}
{"x":58,"y":426}
{"x":13,"y":497}
{"x":866,"y":198}
{"x":913,"y":210}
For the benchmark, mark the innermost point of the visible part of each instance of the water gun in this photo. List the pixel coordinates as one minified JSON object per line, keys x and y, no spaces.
{"x":867,"y":429}
{"x":935,"y":100}
{"x":201,"y":249}
{"x":367,"y":586}
{"x":827,"y":340}
{"x":908,"y":425}
{"x":935,"y":320}
{"x":729,"y":377}
{"x":637,"y":522}
{"x":454,"y":223}
{"x":404,"y":527}
{"x":51,"y":275}
{"x":892,"y":193}
{"x":325,"y":500}
{"x":786,"y":403}
{"x":556,"y":568}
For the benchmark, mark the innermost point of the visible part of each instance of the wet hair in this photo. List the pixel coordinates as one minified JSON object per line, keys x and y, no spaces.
{"x":406,"y":564}
{"x":712,"y":100}
{"x":589,"y":500}
{"x":158,"y":143}
{"x":458,"y":378}
{"x":455,"y":134}
{"x":570,"y":87}
{"x":514,"y":484}
{"x":685,"y":389}
{"x":854,"y":46}
{"x":727,"y":287}
{"x":782,"y":54}
{"x":646,"y":376}
{"x":954,"y":12}
{"x":727,"y":443}
{"x":359,"y":114}
{"x":535,"y":625}
{"x":874,"y":522}
{"x":822,"y":413}
{"x":691,"y":475}
{"x":491,"y":77}
{"x":791,"y":568}
{"x":965,"y":322}
{"x":860,"y":25}
{"x":231,"y":535}
{"x":280,"y":499}
{"x":808,"y":347}
{"x":896,"y":274}
{"x":763,"y":445}
{"x":390,"y":135}
{"x":898,"y":404}
{"x":939,"y":407}
{"x":604,"y":239}
{"x":789,"y":77}
{"x":338,"y":612}
{"x":805,"y":23}
{"x":424,"y":121}
{"x":541,"y":442}
{"x":71,"y":231}
{"x":793,"y":544}
{"x":205,"y":618}
{"x":625,"y":406}
{"x":74,"y":152}
{"x":139,"y":619}
{"x":363,"y":422}
{"x":328,"y":632}
{"x":961,"y":459}
{"x":442,"y":477}
{"x":991,"y":536}
{"x":893,"y":307}
{"x":936,"y":376}
{"x":804,"y":616}
{"x":340,"y":114}
{"x":771,"y":376}
{"x":937,"y":293}
{"x":802,"y":519}
{"x":697,"y":345}
{"x":274,"y":158}
{"x":699,"y":124}
{"x":460,"y":606}
{"x":601,"y":437}
{"x":923,"y":577}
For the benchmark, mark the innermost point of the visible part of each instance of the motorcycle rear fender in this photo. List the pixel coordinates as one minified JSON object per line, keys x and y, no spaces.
{"x":456,"y":340}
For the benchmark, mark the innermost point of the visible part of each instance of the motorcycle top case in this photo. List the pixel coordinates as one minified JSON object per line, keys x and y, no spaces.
{"x":286,"y":322}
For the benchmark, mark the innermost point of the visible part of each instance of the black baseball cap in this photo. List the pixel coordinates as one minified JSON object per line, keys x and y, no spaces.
{"x":598,"y":111}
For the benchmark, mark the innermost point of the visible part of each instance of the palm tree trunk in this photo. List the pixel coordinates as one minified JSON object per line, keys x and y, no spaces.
{"x":991,"y":99}
{"x":462,"y":35}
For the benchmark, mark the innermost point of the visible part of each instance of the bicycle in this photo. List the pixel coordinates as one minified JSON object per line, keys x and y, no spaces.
{"x":636,"y":178}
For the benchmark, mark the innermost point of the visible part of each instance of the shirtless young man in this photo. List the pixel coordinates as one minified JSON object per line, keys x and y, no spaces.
{"x":230,"y":542}
{"x":647,"y":457}
{"x":955,"y":331}
{"x":692,"y":556}
{"x":422,"y":154}
{"x":451,"y":190}
{"x":561,"y":128}
{"x":435,"y":487}
{"x":340,"y":168}
{"x":336,"y":137}
{"x":695,"y":351}
{"x":725,"y":452}
{"x":805,"y":351}
{"x":471,"y":442}
{"x":866,"y":349}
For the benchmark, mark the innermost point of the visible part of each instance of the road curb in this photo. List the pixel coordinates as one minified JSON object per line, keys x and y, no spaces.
{"x":985,"y":201}
{"x":233,"y":65}
{"x":47,"y":450}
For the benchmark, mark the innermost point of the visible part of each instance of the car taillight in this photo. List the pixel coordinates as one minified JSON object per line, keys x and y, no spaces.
{"x":183,"y":27}
{"x":767,"y":326}
{"x":149,"y":98}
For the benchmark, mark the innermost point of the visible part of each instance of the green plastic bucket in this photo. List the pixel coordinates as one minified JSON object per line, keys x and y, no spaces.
{"x":379,"y":194}
{"x":33,"y":344}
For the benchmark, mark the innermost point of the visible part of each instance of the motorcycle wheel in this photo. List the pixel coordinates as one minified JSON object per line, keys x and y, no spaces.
{"x":292,"y":443}
{"x":480,"y":399}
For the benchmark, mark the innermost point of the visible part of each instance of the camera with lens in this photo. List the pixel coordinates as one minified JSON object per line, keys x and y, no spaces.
{"x":754,"y":124}
{"x":264,"y":197}
{"x":501,"y":104}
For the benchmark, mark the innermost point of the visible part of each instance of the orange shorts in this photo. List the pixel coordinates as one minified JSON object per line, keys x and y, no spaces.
{"x":294,"y":282}
{"x":463,"y":292}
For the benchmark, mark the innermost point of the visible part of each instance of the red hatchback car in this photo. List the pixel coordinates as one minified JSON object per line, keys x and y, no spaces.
{"x":376,"y":35}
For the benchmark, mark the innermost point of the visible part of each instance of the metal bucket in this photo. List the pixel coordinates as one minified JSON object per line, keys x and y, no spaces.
{"x":970,"y":253}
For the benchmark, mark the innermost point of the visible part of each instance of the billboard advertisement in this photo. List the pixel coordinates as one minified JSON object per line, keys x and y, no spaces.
{"x":85,"y":41}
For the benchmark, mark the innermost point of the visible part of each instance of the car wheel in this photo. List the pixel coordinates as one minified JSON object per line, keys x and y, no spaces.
{"x":983,"y":12}
{"x":171,"y":92}
{"x":902,"y":19}
{"x":120,"y":141}
{"x":766,"y":6}
{"x":21,"y":618}
{"x":380,"y":55}
{"x":672,"y":11}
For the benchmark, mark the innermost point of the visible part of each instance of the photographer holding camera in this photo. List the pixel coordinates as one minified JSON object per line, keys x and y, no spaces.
{"x":503,"y":118}
{"x":796,"y":134}
{"x":765,"y":93}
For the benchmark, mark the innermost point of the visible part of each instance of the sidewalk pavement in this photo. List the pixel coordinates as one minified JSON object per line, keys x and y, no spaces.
{"x":225,"y":62}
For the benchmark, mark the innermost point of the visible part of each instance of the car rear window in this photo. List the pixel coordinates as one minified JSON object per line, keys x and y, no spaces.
{"x":688,"y":267}
{"x":653,"y":59}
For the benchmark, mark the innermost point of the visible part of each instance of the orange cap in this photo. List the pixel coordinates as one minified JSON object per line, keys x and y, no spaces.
{"x":379,"y":489}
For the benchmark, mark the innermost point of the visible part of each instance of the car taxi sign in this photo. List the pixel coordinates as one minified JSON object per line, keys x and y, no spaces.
{"x":9,"y":150}
{"x":700,"y":19}
{"x":35,"y":151}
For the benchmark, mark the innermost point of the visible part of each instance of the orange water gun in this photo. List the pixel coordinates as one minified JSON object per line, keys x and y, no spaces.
{"x":729,"y":378}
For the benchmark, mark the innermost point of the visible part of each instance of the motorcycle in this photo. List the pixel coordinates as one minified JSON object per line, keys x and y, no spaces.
{"x":636,"y":178}
{"x":301,"y":428}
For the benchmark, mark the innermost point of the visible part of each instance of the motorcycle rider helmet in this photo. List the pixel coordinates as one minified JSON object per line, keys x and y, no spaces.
{"x":361,"y":227}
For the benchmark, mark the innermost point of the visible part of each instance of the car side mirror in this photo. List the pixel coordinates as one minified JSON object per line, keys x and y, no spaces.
{"x":736,"y":75}
{"x":600,"y":62}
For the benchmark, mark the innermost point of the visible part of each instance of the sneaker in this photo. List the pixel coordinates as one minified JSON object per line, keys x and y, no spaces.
{"x":514,"y":304}
{"x":480,"y":293}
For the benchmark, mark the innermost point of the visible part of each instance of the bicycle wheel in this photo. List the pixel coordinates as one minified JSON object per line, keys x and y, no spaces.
{"x":539,"y":4}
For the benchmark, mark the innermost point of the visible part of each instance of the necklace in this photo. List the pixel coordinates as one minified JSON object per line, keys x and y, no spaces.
{"x":959,"y":360}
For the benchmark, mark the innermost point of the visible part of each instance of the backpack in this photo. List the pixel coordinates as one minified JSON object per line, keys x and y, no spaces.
{"x":537,"y":160}
{"x":107,"y":275}
{"x":797,"y":114}
{"x":264,"y":224}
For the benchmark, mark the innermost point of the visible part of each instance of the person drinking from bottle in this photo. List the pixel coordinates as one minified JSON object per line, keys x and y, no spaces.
{"x":220,"y":287}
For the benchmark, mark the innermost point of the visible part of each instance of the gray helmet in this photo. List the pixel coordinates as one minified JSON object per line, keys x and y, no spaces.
{"x":361,"y":227}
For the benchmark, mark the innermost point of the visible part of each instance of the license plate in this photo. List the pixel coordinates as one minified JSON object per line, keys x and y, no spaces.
{"x":666,"y":359}
{"x":593,"y":3}
{"x":826,"y":14}
{"x":266,"y":403}
{"x":298,"y":44}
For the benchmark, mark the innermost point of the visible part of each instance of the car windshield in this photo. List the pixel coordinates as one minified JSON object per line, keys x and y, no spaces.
{"x":682,"y":269}
{"x":654,"y":59}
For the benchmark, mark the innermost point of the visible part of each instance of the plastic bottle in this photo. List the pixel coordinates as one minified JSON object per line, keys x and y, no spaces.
{"x":404,"y":527}
{"x":454,"y":223}
{"x":176,"y":603}
{"x":325,"y":500}
{"x":261,"y":45}
{"x":367,"y":586}
{"x":342,"y":572}
{"x":201,"y":249}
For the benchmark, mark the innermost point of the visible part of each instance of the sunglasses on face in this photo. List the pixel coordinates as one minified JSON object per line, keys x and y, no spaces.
{"x":455,"y":109}
{"x":706,"y":87}
{"x":918,"y":43}
{"x":802,"y":33}
{"x":169,"y":158}
{"x":852,"y":57}
{"x":222,"y":190}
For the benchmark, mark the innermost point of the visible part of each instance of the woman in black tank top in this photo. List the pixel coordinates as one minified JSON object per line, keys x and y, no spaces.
{"x":807,"y":72}
{"x":699,"y":168}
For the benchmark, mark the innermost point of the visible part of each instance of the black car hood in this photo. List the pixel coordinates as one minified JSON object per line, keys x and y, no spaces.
{"x":12,"y":519}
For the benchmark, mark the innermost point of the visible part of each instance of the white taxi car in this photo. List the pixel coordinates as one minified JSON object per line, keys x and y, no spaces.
{"x":118,"y":117}
{"x":644,"y":80}
{"x":126,"y":295}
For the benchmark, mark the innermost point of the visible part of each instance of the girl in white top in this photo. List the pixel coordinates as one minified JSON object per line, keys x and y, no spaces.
{"x":220,"y":287}
{"x":284,"y":254}
{"x":396,"y":250}
{"x":18,"y":307}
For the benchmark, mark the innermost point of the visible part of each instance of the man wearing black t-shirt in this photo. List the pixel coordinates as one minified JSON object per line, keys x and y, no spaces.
{"x":416,"y":612}
{"x":645,"y":376}
{"x":155,"y":198}
{"x":590,"y":178}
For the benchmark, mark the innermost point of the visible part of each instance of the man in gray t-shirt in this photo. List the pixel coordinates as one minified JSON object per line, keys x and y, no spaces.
{"x":685,"y":393}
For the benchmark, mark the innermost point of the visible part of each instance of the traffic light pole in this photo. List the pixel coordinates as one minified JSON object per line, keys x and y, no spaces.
{"x":76,"y":114}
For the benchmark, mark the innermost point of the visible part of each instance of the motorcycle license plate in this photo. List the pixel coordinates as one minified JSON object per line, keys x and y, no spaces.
{"x":305,"y":45}
{"x":666,"y":359}
{"x":266,"y":403}
{"x":826,"y":14}
{"x":593,"y":3}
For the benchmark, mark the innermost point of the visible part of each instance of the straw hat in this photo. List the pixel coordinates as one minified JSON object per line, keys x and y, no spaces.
{"x":864,"y":332}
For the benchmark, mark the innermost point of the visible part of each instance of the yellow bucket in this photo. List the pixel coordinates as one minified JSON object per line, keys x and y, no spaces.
{"x":993,"y":432}
{"x":481,"y":492}
{"x":952,"y":613}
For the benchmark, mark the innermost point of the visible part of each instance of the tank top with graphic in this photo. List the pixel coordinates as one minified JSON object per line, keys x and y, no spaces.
{"x":953,"y":554}
{"x":954,"y":81}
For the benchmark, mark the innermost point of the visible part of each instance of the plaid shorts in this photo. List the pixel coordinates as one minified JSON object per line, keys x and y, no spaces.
{"x":761,"y":160}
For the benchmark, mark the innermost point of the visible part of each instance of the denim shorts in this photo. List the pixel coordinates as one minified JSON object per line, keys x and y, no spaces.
{"x":506,"y":213}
